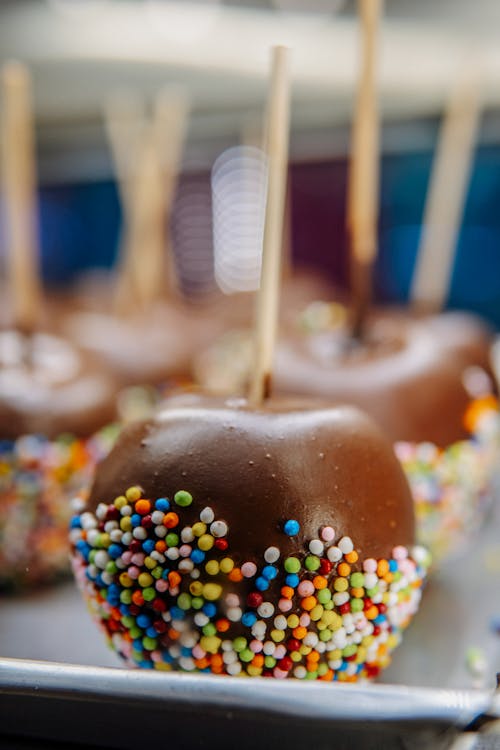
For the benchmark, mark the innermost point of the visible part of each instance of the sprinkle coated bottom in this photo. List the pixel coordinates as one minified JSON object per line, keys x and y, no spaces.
{"x":38,"y":479}
{"x":162,"y":581}
{"x":453,"y":488}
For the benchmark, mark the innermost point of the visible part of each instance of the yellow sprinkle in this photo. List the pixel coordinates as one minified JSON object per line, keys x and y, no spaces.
{"x":125,"y":523}
{"x":206,"y":542}
{"x":361,"y":655}
{"x":145,"y":580}
{"x":341,"y":584}
{"x":212,"y":567}
{"x":196,"y":588}
{"x":277,"y":635}
{"x":292,"y":621}
{"x":199,"y":528}
{"x":304,"y":650}
{"x":392,"y":641}
{"x":120,"y":501}
{"x":162,"y":667}
{"x":226,"y":565}
{"x":368,"y":640}
{"x":126,"y":580}
{"x":316,"y":612}
{"x":334,"y":655}
{"x":332,"y":620}
{"x":212,"y":592}
{"x":210,"y":643}
{"x":254,"y":671}
{"x":104,"y":540}
{"x":133,"y":493}
{"x":295,"y":656}
{"x":150,"y":562}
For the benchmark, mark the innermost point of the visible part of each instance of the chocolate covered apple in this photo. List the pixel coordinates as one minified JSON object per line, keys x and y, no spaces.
{"x":276,"y":541}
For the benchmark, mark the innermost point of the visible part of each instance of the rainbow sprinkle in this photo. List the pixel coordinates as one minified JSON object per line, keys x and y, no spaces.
{"x":163,"y":583}
{"x":453,"y":488}
{"x":38,"y":478}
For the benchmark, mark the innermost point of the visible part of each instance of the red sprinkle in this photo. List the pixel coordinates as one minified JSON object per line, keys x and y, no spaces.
{"x":325,"y":566}
{"x":254,"y":599}
{"x":221,"y":544}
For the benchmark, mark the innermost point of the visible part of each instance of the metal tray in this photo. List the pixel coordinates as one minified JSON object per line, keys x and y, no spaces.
{"x":77,"y":693}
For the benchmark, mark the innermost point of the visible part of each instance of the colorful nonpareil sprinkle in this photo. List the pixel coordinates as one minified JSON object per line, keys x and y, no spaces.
{"x":161,"y":579}
{"x":38,"y":478}
{"x":453,"y":487}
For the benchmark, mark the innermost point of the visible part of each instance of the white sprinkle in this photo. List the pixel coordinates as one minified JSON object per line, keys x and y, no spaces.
{"x":271,"y":555}
{"x":172,"y":553}
{"x":139,"y":533}
{"x":116,"y":535}
{"x":200,"y":619}
{"x":101,"y":559}
{"x":266,"y":609}
{"x":218,"y":529}
{"x":187,"y":534}
{"x":187,"y":664}
{"x":340,"y":597}
{"x":157,"y":517}
{"x":101,"y":511}
{"x":280,"y":622}
{"x":269,"y":648}
{"x":160,"y":531}
{"x":300,"y":672}
{"x":88,"y":521}
{"x":229,"y":657}
{"x":207,"y":515}
{"x":234,"y":614}
{"x":234,"y":669}
{"x":126,"y":510}
{"x":185,"y":566}
{"x":316,"y":547}
{"x":310,"y":639}
{"x":345,"y":545}
{"x":127,"y":538}
{"x":110,"y":526}
{"x":334,"y":554}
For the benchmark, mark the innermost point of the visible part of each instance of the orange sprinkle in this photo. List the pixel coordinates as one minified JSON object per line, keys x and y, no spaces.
{"x":358,"y":592}
{"x":222,"y":625}
{"x":218,"y":670}
{"x":313,"y":656}
{"x":371,"y":613}
{"x":202,"y":663}
{"x":476,"y":408}
{"x":344,"y":570}
{"x":258,"y":660}
{"x":171,"y":520}
{"x":173,"y":634}
{"x":382,"y":568}
{"x":160,"y":545}
{"x":328,"y":676}
{"x":216,"y":660}
{"x":142,"y":507}
{"x":319,"y":582}
{"x":235,"y":575}
{"x":299,"y":633}
{"x":308,"y":603}
{"x":174,"y":578}
{"x":352,"y":557}
{"x":389,"y":577}
{"x":287,"y":592}
{"x":138,"y":598}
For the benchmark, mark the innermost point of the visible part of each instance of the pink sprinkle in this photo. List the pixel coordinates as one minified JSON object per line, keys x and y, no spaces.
{"x":138,"y":559}
{"x":174,"y":591}
{"x":328,"y":533}
{"x":304,"y":620}
{"x":233,"y":600}
{"x":133,"y":572}
{"x":279,"y":673}
{"x":279,"y":651}
{"x":156,"y":656}
{"x":185,"y":550}
{"x":127,"y":557}
{"x":370,"y":565}
{"x":400,"y":553}
{"x":285,"y":605}
{"x":248,"y":569}
{"x":256,"y":646}
{"x":306,"y":588}
{"x":198,"y":652}
{"x":161,"y":585}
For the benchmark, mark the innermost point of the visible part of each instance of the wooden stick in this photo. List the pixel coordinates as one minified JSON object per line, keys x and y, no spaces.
{"x":19,"y":196}
{"x":363,"y":193}
{"x":446,"y":195}
{"x":268,"y":296}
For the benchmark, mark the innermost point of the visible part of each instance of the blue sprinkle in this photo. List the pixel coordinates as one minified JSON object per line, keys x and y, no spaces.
{"x":197,"y":556}
{"x":177,"y":613}
{"x":162,"y":504}
{"x":137,"y":644}
{"x":261,"y":584}
{"x":270,"y":572}
{"x":393,"y":566}
{"x":343,"y":666}
{"x":185,"y":651}
{"x":166,"y":657}
{"x":124,"y":609}
{"x":379,"y":619}
{"x":291,"y":527}
{"x":209,"y":609}
{"x":143,"y":620}
{"x":151,"y":632}
{"x":75,"y":523}
{"x":148,"y":546}
{"x":146,"y":664}
{"x":248,"y":619}
{"x":135,"y":519}
{"x":292,"y":580}
{"x":84,"y":549}
{"x":114,"y":551}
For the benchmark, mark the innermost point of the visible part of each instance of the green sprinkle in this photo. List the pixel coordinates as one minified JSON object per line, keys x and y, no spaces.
{"x":149,"y":643}
{"x":312,"y":562}
{"x":323,"y":596}
{"x":128,"y":621}
{"x":356,"y":605}
{"x":325,"y":635}
{"x":183,"y":498}
{"x":357,"y":580}
{"x":372,"y":592}
{"x":157,"y":572}
{"x":135,"y":632}
{"x":184,"y":601}
{"x":311,"y":675}
{"x":209,"y":629}
{"x":197,"y":602}
{"x":322,"y":669}
{"x":172,"y":540}
{"x":349,"y":650}
{"x":239,"y":644}
{"x":246,"y":655}
{"x":292,"y":565}
{"x":149,"y":594}
{"x":269,"y":661}
{"x":111,"y":567}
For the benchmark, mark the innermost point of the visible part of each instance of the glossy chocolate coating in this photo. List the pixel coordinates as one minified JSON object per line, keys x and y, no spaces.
{"x":48,"y":387}
{"x":408,"y":375}
{"x":259,"y":468}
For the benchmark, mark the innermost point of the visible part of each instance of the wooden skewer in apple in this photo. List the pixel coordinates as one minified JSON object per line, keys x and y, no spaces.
{"x":254,"y":506}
